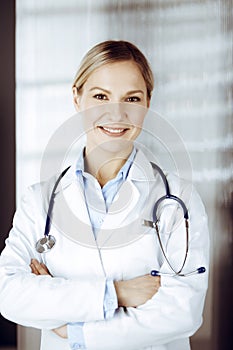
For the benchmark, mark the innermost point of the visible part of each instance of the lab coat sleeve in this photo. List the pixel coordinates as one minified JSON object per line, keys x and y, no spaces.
{"x":173,"y":313}
{"x":42,"y":301}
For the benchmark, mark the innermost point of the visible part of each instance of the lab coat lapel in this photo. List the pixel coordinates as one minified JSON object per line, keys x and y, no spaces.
{"x":124,"y":202}
{"x":116,"y":223}
{"x":129,"y":194}
{"x":70,"y":212}
{"x":74,"y":196}
{"x":120,"y":225}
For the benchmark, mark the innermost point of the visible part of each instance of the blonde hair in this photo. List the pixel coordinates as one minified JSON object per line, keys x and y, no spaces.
{"x":112,"y":51}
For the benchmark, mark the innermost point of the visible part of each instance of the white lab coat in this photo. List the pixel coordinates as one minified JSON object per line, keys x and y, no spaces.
{"x":80,"y":269}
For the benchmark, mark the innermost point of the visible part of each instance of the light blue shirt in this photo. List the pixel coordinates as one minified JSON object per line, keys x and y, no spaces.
{"x":98,"y":201}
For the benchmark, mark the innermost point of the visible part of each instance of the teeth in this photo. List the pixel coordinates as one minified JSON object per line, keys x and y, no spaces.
{"x":113,"y":131}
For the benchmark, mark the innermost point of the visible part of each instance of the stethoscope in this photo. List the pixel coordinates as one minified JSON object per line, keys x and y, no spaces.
{"x":47,"y":242}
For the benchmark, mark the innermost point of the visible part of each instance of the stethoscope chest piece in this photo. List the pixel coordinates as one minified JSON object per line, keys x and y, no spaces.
{"x":45,"y":244}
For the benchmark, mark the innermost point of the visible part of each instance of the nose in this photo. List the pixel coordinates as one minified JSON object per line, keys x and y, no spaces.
{"x":117,"y":112}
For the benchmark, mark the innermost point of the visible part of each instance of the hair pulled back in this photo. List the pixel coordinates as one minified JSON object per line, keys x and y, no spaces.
{"x":113,"y":51}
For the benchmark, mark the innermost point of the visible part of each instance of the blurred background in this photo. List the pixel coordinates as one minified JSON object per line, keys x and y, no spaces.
{"x":189,"y":46}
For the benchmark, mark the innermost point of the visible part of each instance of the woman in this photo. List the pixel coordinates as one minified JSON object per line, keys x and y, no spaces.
{"x":95,"y":286}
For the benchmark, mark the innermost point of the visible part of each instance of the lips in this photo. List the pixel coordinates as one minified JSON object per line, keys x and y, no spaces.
{"x":113,"y":131}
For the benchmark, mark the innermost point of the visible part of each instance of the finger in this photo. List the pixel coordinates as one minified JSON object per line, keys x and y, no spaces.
{"x":33,"y":269}
{"x":34,"y":262}
{"x":45,"y":268}
{"x":61,"y":331}
{"x":39,"y":268}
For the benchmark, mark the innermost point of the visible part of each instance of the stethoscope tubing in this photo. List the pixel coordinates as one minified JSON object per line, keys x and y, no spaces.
{"x":51,"y":203}
{"x":172,"y":197}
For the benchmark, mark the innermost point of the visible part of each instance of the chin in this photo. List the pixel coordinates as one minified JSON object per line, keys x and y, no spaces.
{"x":116,"y":147}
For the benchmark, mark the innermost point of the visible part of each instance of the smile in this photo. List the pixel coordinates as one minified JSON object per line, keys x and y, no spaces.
{"x":113,"y":131}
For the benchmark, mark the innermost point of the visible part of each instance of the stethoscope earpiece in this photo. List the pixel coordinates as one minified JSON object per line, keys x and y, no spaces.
{"x":199,"y":270}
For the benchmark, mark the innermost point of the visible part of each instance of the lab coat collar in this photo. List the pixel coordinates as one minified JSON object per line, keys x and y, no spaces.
{"x":141,"y":170}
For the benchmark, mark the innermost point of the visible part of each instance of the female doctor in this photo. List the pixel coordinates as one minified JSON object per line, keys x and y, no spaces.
{"x":94,"y":289}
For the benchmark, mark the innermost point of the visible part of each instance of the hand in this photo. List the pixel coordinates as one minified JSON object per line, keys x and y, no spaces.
{"x":61,"y":331}
{"x":39,"y":268}
{"x":136,"y":291}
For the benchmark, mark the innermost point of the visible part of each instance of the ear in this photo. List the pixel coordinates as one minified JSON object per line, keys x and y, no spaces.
{"x":148,"y":102}
{"x":76,"y":98}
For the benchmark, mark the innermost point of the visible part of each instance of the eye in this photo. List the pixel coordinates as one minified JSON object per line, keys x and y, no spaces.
{"x":100,"y":97}
{"x":133,"y":99}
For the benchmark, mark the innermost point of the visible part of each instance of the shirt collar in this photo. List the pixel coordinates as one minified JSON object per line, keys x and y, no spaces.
{"x":141,"y":169}
{"x":79,"y":166}
{"x":123,"y":172}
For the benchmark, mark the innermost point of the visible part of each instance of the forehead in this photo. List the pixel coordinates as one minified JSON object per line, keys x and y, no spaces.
{"x":120,"y":73}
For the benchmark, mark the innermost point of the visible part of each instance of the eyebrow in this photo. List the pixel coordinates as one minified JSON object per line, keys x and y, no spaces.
{"x":109,"y":92}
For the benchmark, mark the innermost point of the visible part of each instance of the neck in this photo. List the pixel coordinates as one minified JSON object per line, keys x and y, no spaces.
{"x":103,"y":165}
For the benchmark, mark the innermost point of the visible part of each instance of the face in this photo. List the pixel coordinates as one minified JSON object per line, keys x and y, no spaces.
{"x":113,"y":102}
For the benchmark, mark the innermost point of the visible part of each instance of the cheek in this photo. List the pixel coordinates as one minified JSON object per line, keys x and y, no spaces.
{"x":90,"y":118}
{"x":85,"y":100}
{"x":136,"y":115}
{"x":87,"y":123}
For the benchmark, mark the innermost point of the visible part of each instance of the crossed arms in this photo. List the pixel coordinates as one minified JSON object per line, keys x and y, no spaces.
{"x":130,"y":293}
